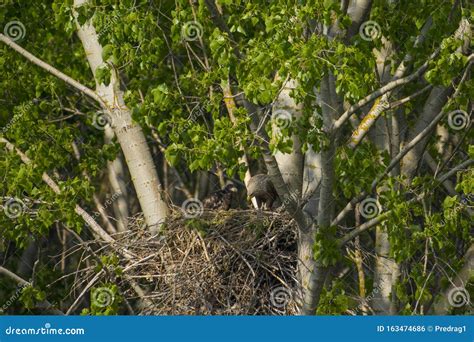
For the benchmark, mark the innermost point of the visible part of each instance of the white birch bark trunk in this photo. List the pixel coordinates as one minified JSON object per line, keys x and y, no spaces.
{"x":290,"y":164}
{"x":116,"y":174}
{"x":129,"y":134}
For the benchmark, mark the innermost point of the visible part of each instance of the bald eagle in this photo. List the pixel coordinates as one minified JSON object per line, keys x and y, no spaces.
{"x":221,"y":199}
{"x":261,"y":187}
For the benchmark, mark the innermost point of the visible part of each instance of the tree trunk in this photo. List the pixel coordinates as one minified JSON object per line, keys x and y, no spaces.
{"x":116,"y":174}
{"x":284,"y":110}
{"x":129,"y":134}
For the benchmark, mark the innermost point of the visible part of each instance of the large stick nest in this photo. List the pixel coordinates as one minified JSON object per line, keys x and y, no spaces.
{"x":237,"y":262}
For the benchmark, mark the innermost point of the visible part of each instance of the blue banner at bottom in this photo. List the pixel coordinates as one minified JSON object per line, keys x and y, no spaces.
{"x":242,"y":328}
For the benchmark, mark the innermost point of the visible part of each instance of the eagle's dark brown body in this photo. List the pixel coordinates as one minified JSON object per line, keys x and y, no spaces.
{"x":221,"y":199}
{"x":261,"y":187}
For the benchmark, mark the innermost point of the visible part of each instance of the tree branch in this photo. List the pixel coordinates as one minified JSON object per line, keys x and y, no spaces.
{"x":350,"y":206}
{"x":52,"y":70}
{"x":381,"y":91}
{"x":22,"y":282}
{"x":96,"y":228}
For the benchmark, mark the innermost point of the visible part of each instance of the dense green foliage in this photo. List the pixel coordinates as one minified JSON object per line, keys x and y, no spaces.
{"x":174,"y":62}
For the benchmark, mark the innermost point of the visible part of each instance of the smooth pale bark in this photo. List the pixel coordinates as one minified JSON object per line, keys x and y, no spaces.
{"x":312,"y":272}
{"x":311,"y":180}
{"x":358,"y":11}
{"x":129,"y":134}
{"x":433,"y":105}
{"x":290,"y":164}
{"x":312,"y":172}
{"x":384,"y":134}
{"x":442,"y":144}
{"x":116,"y":175}
{"x":386,"y":274}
